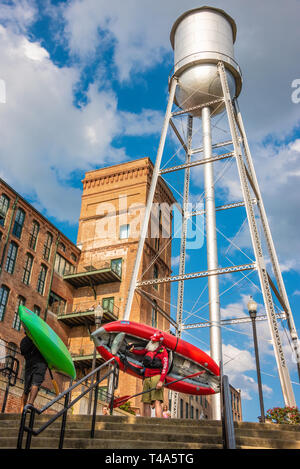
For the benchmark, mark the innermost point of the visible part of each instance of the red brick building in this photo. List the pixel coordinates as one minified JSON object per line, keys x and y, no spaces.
{"x":64,"y":282}
{"x":32,"y":252}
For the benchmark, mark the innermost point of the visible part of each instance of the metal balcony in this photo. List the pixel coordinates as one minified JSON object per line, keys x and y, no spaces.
{"x":94,"y":275}
{"x":83,"y":359}
{"x":84,"y":314}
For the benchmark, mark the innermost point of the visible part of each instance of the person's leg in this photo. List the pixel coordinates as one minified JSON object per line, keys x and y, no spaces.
{"x":24,"y":399}
{"x":146,"y":398}
{"x":157,"y":396}
{"x":33,"y":393}
{"x":146,"y":409}
{"x":38,"y":376}
{"x":27,"y":386}
{"x":158,"y":409}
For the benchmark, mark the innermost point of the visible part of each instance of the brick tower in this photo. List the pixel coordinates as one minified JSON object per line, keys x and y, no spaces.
{"x":112,"y":206}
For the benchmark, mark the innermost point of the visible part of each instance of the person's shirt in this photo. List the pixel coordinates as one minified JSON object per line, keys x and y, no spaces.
{"x":30,"y":352}
{"x":162,"y":354}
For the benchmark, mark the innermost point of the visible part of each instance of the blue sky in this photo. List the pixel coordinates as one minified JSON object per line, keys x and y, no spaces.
{"x":86,"y":87}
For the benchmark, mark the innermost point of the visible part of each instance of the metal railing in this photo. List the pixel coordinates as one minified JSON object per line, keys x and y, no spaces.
{"x":228,"y":432}
{"x":11,"y":370}
{"x":113,"y":369}
{"x":80,"y":269}
{"x":90,"y":306}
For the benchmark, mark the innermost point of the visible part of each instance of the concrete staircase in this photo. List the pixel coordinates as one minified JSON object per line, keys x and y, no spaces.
{"x":266,"y":436}
{"x":145,"y":433}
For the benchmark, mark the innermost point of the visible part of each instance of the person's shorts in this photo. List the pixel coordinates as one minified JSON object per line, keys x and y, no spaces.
{"x":156,"y":395}
{"x":34,"y":376}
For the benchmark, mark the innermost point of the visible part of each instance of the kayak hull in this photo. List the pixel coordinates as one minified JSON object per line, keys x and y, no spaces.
{"x":48,"y":342}
{"x":185,"y":359}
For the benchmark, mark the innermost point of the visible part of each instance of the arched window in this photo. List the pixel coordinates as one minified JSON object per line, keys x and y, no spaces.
{"x":4,"y":204}
{"x":62,"y":247}
{"x":11,"y":257}
{"x":34,"y":234}
{"x":154,"y":314}
{"x":19,"y":222}
{"x":16,"y":322}
{"x":27,"y":268}
{"x":11,"y":350}
{"x":37,"y":310}
{"x":42,"y":279}
{"x":73,"y":257}
{"x":47,"y":246}
{"x":155,"y":275}
{"x":4,"y":293}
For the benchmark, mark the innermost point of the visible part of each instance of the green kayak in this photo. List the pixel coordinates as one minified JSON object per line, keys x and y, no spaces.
{"x":47,"y":341}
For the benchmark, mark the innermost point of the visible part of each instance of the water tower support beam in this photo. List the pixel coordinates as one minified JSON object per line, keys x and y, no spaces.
{"x":283,"y":299}
{"x":154,"y":179}
{"x":283,"y":372}
{"x":212,"y":253}
{"x":180,"y":293}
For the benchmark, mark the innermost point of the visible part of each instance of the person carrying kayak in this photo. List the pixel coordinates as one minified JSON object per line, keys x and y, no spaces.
{"x":156,"y":363}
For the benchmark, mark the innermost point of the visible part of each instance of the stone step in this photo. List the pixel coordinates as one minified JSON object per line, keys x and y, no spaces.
{"x":163,"y":427}
{"x":269,"y":443}
{"x":130,"y":432}
{"x":128,"y":435}
{"x":83,"y":443}
{"x":120,"y":419}
{"x":268,"y":434}
{"x":266,"y":426}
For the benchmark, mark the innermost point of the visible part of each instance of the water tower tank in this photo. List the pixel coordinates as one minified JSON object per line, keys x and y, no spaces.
{"x":200,"y":39}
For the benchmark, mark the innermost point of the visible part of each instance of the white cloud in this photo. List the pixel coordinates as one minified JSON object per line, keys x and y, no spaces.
{"x":95,"y":25}
{"x":138,"y":33}
{"x":40,"y":106}
{"x":44,"y":137}
{"x":19,"y":14}
{"x":149,"y":122}
{"x":34,"y":51}
{"x":236,"y":309}
{"x":277,"y":169}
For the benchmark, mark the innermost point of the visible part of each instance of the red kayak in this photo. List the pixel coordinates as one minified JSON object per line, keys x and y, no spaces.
{"x":185,"y":359}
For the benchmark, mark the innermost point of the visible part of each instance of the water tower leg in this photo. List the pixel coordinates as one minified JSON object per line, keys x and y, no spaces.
{"x":212,"y":254}
{"x":175,"y":395}
{"x":283,"y":370}
{"x":155,"y":176}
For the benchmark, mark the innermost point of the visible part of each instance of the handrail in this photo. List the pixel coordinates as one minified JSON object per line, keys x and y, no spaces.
{"x":12,"y":376}
{"x":67,"y":405}
{"x":228,"y":432}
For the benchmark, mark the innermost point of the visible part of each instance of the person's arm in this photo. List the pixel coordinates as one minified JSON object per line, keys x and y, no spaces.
{"x":137,"y":351}
{"x":26,"y":346}
{"x":164,"y":371}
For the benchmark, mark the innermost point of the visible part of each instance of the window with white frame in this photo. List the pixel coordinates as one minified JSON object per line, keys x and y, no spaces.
{"x":124,"y":231}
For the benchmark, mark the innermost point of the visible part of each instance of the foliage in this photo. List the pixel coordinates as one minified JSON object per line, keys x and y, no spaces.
{"x":127,"y":408}
{"x":284,"y":415}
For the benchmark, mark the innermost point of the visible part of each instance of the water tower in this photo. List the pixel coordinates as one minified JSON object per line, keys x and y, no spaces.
{"x":206,"y":81}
